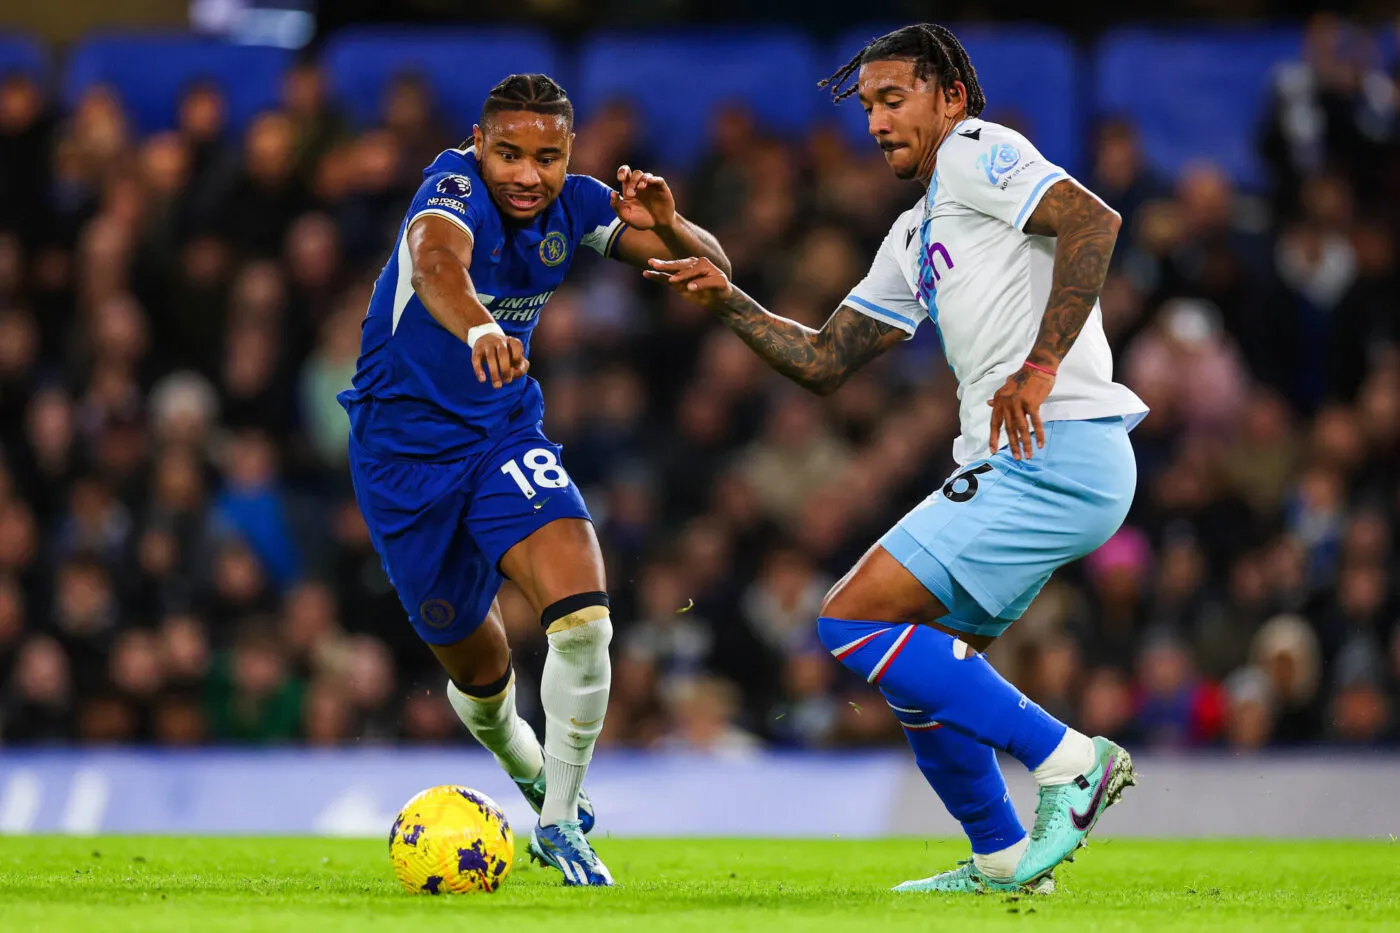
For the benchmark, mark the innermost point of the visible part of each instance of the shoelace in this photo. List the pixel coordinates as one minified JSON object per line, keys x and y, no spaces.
{"x":1048,"y":812}
{"x":573,"y":835}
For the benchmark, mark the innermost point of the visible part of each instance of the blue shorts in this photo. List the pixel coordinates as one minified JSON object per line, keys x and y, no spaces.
{"x":988,"y":541}
{"x":441,"y":529}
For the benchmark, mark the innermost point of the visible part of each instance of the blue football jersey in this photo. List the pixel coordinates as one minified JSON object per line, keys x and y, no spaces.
{"x":415,"y":393}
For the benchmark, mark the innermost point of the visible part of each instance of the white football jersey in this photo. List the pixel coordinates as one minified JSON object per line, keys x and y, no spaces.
{"x":960,"y":259}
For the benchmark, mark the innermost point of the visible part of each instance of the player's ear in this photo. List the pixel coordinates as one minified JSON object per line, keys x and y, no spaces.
{"x":955,"y":97}
{"x":478,"y":139}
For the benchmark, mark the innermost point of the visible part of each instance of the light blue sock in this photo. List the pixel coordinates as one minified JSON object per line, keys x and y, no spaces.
{"x":945,"y":678}
{"x":965,"y":775}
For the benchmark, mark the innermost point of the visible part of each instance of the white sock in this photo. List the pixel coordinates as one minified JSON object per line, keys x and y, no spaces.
{"x":1001,"y":865}
{"x":1071,"y":758}
{"x":574,"y":694}
{"x":494,"y":723}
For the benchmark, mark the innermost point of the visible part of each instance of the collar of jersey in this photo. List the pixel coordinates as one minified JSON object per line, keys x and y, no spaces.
{"x":933,"y":181}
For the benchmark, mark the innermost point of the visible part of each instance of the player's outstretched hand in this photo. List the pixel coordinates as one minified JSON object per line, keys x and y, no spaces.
{"x":1016,"y":407}
{"x":645,"y":201}
{"x":500,"y":358}
{"x":697,"y":279}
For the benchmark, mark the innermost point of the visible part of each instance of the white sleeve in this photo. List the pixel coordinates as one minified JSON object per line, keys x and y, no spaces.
{"x":884,"y":293}
{"x":997,"y":172}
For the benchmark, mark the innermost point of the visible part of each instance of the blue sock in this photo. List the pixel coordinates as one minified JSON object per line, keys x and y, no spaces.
{"x":965,"y":775}
{"x":947,"y":679}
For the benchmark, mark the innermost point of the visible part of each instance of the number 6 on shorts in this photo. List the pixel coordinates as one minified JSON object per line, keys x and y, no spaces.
{"x":545,"y":472}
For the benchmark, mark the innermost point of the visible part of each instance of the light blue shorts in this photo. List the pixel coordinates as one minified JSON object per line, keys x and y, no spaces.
{"x":988,"y":541}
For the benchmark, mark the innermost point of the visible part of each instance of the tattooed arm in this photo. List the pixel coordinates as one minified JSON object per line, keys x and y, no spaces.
{"x":817,"y":360}
{"x":1085,"y":229}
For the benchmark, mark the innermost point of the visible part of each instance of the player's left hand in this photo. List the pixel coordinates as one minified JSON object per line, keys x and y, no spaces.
{"x":1016,"y":406}
{"x":645,"y":201}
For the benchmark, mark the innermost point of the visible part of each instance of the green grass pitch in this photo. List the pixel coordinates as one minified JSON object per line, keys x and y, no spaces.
{"x":116,"y":884}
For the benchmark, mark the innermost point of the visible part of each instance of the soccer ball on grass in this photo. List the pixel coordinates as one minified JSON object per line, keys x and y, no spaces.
{"x":451,"y":840}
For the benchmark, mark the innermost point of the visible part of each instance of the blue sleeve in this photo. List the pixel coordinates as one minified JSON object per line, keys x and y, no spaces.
{"x":599,"y":226}
{"x":454,"y":197}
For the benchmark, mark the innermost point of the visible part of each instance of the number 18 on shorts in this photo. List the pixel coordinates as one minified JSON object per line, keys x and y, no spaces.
{"x":441,"y":529}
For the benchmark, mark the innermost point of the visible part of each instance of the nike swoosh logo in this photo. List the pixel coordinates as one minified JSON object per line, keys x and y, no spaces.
{"x":973,"y":134}
{"x":585,"y":725}
{"x":539,"y":505}
{"x":1082,"y":821}
{"x":908,"y":238}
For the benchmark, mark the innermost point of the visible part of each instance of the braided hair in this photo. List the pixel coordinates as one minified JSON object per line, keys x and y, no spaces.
{"x":935,"y":51}
{"x":536,"y":93}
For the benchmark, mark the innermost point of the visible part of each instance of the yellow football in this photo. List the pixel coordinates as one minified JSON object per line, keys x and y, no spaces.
{"x":451,"y":840}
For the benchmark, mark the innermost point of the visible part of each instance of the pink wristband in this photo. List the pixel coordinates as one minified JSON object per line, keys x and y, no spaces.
{"x":1040,"y":369}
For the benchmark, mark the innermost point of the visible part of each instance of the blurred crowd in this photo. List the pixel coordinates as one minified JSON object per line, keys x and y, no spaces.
{"x":182,"y":562}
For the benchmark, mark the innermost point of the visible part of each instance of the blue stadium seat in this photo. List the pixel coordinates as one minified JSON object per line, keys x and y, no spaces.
{"x":461,"y":66}
{"x":1030,"y":74}
{"x":152,"y":70}
{"x":1195,"y":95}
{"x":22,"y":54}
{"x":678,"y":81}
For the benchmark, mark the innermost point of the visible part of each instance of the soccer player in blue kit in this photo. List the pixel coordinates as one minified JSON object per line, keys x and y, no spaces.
{"x":459,"y":486}
{"x":1004,"y":254}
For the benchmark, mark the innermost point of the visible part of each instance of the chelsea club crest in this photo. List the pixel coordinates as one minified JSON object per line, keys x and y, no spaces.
{"x":553,"y":249}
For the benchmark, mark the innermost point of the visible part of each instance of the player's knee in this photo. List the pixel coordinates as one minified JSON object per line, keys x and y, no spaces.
{"x":579,"y":623}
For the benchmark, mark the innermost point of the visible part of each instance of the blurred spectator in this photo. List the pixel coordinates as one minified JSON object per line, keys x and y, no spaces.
{"x":1175,"y":708}
{"x":252,"y":507}
{"x":1286,"y":653}
{"x":703,"y":711}
{"x":811,"y":714}
{"x":315,"y":118}
{"x":26,"y":135}
{"x":1251,"y":715}
{"x":252,"y":696}
{"x":262,"y":196}
{"x":39,"y":704}
{"x":1121,"y":175}
{"x":795,"y":455}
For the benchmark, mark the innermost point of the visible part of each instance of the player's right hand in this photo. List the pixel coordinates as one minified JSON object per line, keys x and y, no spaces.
{"x":697,"y":279}
{"x":502,"y":358}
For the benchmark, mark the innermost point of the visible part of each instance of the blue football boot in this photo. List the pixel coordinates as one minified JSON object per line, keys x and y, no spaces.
{"x":562,"y":846}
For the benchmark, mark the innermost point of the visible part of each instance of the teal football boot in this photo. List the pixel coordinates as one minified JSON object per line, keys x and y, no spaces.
{"x":1067,"y":812}
{"x":966,"y":879}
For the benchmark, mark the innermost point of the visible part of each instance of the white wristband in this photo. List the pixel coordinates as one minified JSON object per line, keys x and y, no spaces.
{"x":481,"y":330}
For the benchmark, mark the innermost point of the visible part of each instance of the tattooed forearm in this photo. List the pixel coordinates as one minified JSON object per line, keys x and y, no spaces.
{"x":1086,"y":229}
{"x":817,"y":360}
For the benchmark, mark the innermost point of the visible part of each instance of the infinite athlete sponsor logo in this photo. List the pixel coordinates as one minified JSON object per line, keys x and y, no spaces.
{"x":451,"y":204}
{"x":459,"y":186}
{"x":553,"y":249}
{"x":523,"y":308}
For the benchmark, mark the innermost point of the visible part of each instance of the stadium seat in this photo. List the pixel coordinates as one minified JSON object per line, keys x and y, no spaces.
{"x":150,"y":71}
{"x":1031,"y":76}
{"x":1194,"y":95}
{"x":461,"y":66}
{"x":679,"y":81}
{"x":23,"y":54}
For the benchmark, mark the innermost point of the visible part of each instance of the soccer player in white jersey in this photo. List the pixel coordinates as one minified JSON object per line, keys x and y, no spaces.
{"x":1005,"y":255}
